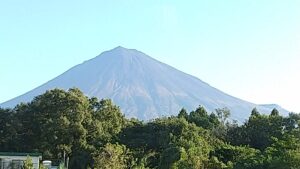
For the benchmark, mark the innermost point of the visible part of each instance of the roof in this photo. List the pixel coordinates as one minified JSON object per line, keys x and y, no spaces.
{"x":20,"y":154}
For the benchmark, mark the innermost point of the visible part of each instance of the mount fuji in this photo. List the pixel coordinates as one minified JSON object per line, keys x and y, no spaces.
{"x":143,"y":87}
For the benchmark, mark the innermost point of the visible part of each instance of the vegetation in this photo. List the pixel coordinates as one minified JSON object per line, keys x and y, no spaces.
{"x":85,"y":133}
{"x":41,"y":166}
{"x":28,"y":163}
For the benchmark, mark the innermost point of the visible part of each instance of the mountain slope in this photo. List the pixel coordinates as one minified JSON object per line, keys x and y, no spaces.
{"x":142,"y":86}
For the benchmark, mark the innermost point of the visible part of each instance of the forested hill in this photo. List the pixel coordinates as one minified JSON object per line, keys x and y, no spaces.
{"x":94,"y":134}
{"x":143,"y":87}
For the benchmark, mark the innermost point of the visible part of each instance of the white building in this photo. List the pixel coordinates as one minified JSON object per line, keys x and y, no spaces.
{"x":11,"y":160}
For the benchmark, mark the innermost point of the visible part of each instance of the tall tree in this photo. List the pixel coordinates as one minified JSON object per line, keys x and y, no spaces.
{"x":9,"y":126}
{"x":183,"y":114}
{"x":61,"y":116}
{"x":107,"y":122}
{"x":113,"y":156}
{"x":201,"y":118}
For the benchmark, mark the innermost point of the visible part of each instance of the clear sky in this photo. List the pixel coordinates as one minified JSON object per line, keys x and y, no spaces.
{"x":247,"y":48}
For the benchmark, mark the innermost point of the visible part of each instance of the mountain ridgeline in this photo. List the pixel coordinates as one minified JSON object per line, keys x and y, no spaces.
{"x":143,"y":87}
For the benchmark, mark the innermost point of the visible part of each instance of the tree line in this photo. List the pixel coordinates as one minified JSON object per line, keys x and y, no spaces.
{"x":84,"y":132}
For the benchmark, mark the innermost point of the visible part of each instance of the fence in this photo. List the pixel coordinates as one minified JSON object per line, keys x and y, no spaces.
{"x":15,"y":164}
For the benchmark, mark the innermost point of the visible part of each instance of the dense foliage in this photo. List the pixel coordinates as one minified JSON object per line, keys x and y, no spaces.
{"x":83,"y":132}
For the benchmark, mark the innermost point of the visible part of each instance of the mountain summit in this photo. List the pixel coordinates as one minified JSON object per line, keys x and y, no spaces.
{"x":143,"y":87}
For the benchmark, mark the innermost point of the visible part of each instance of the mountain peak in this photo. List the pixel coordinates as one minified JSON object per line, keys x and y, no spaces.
{"x":142,"y":86}
{"x":123,"y":49}
{"x":121,"y":53}
{"x":120,"y":48}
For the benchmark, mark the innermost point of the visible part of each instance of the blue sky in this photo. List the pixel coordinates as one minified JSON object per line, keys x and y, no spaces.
{"x":249,"y":49}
